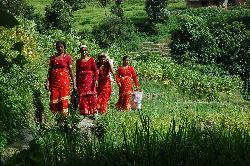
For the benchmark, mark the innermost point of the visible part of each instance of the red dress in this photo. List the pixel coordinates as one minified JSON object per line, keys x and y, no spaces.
{"x":124,"y":77}
{"x":104,"y":88}
{"x":59,"y":86}
{"x":86,"y":76}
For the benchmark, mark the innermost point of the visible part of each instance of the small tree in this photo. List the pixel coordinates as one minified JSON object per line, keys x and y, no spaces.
{"x":155,"y":10}
{"x":58,"y":15}
{"x":15,"y":7}
{"x":104,"y":4}
{"x":117,"y":9}
{"x":76,"y":4}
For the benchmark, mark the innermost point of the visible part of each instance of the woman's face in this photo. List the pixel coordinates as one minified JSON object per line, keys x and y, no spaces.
{"x":60,"y":48}
{"x":83,"y":51}
{"x":126,"y":62}
{"x":102,"y":60}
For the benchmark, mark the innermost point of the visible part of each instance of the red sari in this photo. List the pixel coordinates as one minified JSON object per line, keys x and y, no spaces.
{"x":59,"y":86}
{"x":104,"y":89}
{"x":86,"y":76}
{"x":124,"y":77}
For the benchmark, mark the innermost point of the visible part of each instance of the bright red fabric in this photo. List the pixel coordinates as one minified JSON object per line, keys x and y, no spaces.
{"x":59,"y":80}
{"x":104,"y":89}
{"x":124,"y":77}
{"x":86,"y":76}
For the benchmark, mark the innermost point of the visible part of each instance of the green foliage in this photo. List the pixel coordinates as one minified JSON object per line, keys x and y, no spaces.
{"x":149,"y":65}
{"x":76,"y":4}
{"x":113,"y":30}
{"x":185,"y":138}
{"x":15,"y":7}
{"x":20,"y":8}
{"x":104,"y":3}
{"x":24,"y":57}
{"x":30,"y":14}
{"x":203,"y":42}
{"x":18,"y":79}
{"x":198,"y":84}
{"x":156,"y":10}
{"x":58,"y":15}
{"x":196,"y":81}
{"x":117,"y":10}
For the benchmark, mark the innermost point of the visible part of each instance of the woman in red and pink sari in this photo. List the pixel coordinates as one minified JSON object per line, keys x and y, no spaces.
{"x":124,"y":76}
{"x":104,"y":83}
{"x":86,"y":80}
{"x":58,"y":81}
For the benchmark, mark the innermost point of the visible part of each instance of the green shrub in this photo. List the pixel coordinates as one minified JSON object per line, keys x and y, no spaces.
{"x":30,"y":14}
{"x":76,"y":4}
{"x":15,"y":7}
{"x":117,"y":10}
{"x":58,"y":16}
{"x":190,"y":40}
{"x":199,"y":83}
{"x":113,"y":30}
{"x":196,"y":81}
{"x":199,"y":41}
{"x":155,"y":10}
{"x":104,"y":3}
{"x":18,"y":78}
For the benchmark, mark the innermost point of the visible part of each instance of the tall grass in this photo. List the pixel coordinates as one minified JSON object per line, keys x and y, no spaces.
{"x":182,"y":142}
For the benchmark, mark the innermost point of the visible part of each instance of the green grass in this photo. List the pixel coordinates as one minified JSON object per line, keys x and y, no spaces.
{"x":39,"y":5}
{"x":85,"y":19}
{"x":93,"y":14}
{"x":177,"y":5}
{"x":170,"y":129}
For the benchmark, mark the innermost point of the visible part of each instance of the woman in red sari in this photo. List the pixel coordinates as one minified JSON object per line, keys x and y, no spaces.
{"x":124,"y":76}
{"x":104,"y":83}
{"x":58,"y":81}
{"x":86,"y":80}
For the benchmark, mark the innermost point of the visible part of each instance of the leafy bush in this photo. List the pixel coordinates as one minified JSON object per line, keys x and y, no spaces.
{"x":113,"y":30}
{"x":104,"y":3}
{"x":15,"y":7}
{"x":24,"y":57}
{"x":218,"y":42}
{"x":198,"y":84}
{"x":30,"y":14}
{"x":76,"y":4}
{"x":155,"y":9}
{"x":197,"y":81}
{"x":117,"y":10}
{"x":19,"y":78}
{"x":20,"y":8}
{"x":58,"y":15}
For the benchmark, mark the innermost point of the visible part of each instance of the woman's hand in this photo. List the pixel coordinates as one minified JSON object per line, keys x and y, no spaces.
{"x":96,"y":83}
{"x":137,"y":89}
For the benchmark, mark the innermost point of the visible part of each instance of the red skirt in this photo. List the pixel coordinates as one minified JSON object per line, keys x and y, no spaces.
{"x":125,"y":92}
{"x":60,"y":91}
{"x":87,"y":104}
{"x":103,"y":95}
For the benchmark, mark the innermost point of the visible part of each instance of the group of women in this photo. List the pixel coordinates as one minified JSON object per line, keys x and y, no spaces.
{"x":93,"y":82}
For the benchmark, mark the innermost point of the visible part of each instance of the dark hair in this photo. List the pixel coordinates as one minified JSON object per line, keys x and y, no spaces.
{"x":98,"y":64}
{"x":61,"y":42}
{"x":125,"y":57}
{"x":101,"y":56}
